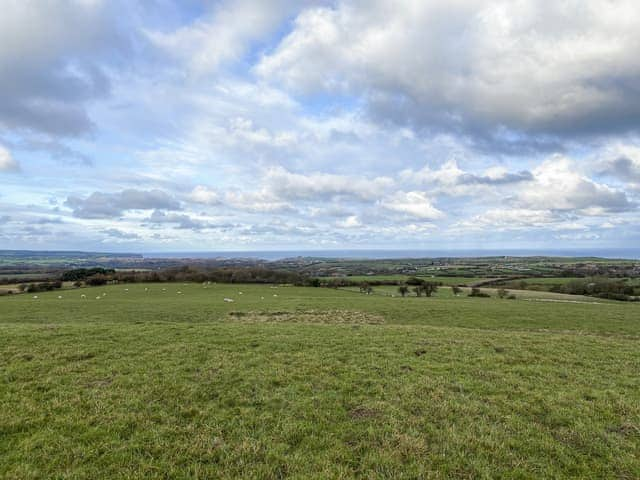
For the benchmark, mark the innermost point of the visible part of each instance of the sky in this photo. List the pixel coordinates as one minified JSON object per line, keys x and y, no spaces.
{"x":186,"y":125}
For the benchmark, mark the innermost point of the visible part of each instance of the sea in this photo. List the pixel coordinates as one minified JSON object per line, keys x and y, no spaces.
{"x":271,"y":255}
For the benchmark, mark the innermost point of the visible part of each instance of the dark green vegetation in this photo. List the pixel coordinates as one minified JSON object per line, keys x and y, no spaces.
{"x":315,"y":383}
{"x":83,"y":273}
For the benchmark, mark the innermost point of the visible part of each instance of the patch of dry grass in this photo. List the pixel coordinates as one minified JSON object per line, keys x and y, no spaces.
{"x":328,"y":317}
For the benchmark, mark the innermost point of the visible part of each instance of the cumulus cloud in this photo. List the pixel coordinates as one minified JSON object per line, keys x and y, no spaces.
{"x":622,"y":161}
{"x":509,"y":218}
{"x":558,"y":185}
{"x":51,"y":57}
{"x":181,"y":221}
{"x":204,"y":195}
{"x":7,"y":162}
{"x":352,"y":221}
{"x":412,"y":204}
{"x":323,"y":185}
{"x":118,"y":234}
{"x":224,"y":34}
{"x":453,"y":180}
{"x":261,"y":201}
{"x":481,"y":66}
{"x":110,"y":205}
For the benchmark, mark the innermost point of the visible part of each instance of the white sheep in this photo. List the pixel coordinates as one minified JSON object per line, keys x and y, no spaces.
{"x":179,"y":293}
{"x":229,"y":300}
{"x":275,"y":294}
{"x":83,"y":296}
{"x":59,"y":297}
{"x":98,"y":298}
{"x":35,"y":296}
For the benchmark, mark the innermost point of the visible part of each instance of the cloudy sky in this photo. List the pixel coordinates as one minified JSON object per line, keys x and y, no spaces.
{"x":164,"y":125}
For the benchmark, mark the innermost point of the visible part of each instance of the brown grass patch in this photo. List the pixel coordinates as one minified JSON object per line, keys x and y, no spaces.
{"x":363,"y":412}
{"x":327,"y":317}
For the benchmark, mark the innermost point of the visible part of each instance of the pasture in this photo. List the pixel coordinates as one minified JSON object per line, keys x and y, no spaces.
{"x":134,"y":381}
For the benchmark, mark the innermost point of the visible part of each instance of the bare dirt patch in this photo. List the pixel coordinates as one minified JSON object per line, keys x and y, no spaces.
{"x":362,"y":412}
{"x":327,"y":317}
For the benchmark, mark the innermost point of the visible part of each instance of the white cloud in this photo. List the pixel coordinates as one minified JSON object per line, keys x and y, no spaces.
{"x":509,"y":219}
{"x":261,"y":201}
{"x":324,"y":185}
{"x":351,"y":221}
{"x":450,"y":179}
{"x":52,"y":58}
{"x":109,"y":205}
{"x":558,"y":185}
{"x":412,"y":204}
{"x":622,"y":161}
{"x":224,"y":34}
{"x":204,"y":195}
{"x":477,"y":65}
{"x":7,"y":162}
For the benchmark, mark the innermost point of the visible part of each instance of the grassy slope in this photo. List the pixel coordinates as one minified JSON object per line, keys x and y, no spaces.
{"x":529,"y":295}
{"x":160,"y":385}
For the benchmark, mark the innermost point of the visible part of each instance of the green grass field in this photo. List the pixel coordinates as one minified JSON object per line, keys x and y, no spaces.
{"x":315,"y":383}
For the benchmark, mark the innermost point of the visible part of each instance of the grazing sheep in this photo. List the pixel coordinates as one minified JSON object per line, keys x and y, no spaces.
{"x":98,"y":298}
{"x":126,"y":289}
{"x":239,"y":293}
{"x":179,"y":293}
{"x":59,"y":297}
{"x":261,"y":298}
{"x":228,"y":300}
{"x":35,"y":296}
{"x":275,"y":294}
{"x":83,"y":296}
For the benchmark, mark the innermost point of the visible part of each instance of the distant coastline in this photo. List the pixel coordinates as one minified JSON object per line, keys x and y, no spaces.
{"x":358,"y":254}
{"x":374,"y":254}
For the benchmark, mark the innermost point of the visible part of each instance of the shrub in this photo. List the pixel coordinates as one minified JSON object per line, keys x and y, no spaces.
{"x":476,"y":292}
{"x":82,"y":273}
{"x":97,"y":280}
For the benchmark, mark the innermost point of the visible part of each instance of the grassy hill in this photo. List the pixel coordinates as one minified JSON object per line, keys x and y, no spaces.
{"x":315,"y":383}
